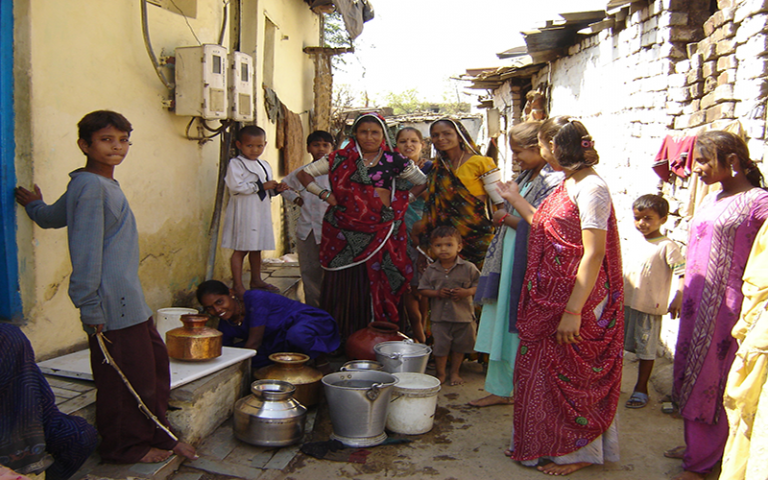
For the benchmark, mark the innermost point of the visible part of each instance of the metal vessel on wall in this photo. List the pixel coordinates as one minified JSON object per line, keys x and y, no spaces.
{"x":193,"y":341}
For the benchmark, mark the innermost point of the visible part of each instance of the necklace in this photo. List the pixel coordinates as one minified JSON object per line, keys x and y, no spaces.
{"x":374,"y":161}
{"x":238,"y":313}
{"x":461,"y":161}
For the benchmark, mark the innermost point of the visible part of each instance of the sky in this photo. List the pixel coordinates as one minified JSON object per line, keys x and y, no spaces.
{"x":420,"y":44}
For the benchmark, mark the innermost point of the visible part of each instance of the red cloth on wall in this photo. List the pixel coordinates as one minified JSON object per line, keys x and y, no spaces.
{"x":675,"y":156}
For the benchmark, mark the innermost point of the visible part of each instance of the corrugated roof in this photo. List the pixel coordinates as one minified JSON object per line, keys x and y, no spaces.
{"x":547,"y":43}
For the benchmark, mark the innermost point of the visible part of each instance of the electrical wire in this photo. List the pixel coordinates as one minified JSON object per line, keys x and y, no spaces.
{"x":186,"y":19}
{"x":218,"y":131}
{"x":224,"y":19}
{"x":148,"y":43}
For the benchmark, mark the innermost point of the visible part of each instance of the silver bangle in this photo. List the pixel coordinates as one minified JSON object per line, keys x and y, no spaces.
{"x":318,"y":168}
{"x":314,"y":189}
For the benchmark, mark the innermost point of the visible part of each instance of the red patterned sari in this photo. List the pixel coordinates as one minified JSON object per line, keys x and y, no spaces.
{"x":362,"y":231}
{"x":566,"y":395}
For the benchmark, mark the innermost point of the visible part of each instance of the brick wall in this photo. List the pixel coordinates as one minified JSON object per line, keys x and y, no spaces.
{"x":669,"y":68}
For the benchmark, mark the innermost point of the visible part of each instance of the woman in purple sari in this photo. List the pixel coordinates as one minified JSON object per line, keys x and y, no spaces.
{"x":720,"y":239}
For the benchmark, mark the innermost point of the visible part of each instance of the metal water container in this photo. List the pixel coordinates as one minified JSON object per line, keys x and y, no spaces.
{"x":270,"y":417}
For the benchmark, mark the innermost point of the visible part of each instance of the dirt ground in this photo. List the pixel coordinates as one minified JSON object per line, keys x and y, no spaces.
{"x":468,"y":442}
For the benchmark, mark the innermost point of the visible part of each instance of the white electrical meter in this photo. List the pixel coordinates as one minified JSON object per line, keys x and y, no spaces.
{"x":241,"y":87}
{"x":201,"y":81}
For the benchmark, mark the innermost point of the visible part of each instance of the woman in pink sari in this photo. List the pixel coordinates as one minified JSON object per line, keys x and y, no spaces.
{"x":720,"y":239}
{"x":571,"y":314}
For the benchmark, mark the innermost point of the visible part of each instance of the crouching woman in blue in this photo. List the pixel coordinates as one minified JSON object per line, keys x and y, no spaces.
{"x":269,"y":323}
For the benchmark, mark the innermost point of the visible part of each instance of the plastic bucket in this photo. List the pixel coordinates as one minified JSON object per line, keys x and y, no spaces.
{"x":358,"y":403}
{"x":169,"y":318}
{"x":413,"y":404}
{"x":405,"y":356}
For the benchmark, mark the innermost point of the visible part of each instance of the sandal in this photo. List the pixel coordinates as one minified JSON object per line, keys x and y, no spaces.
{"x":637,"y":400}
{"x":676,"y":452}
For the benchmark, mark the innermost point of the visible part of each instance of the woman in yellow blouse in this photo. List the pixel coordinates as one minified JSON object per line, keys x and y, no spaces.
{"x":456,"y":194}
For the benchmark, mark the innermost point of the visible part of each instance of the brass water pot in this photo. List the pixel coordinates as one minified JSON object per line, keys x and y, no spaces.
{"x":289,"y":367}
{"x":193,"y":341}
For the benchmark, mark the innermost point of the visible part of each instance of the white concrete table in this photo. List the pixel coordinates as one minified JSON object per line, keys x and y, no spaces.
{"x":78,"y":365}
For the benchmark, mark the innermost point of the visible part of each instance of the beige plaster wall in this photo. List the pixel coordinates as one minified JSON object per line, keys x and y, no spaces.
{"x":77,"y":56}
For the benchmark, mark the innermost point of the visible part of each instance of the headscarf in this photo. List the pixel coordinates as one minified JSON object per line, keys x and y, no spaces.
{"x":465,"y":140}
{"x":387,"y":144}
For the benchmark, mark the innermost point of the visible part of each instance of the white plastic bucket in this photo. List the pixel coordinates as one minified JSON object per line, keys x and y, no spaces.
{"x":413,"y":403}
{"x":170,"y":318}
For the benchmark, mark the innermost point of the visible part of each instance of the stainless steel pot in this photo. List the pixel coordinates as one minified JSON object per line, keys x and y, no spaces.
{"x":366,"y":365}
{"x":358,"y":402}
{"x":270,"y":417}
{"x":405,"y":356}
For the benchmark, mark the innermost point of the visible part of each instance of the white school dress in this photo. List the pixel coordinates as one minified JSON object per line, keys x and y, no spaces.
{"x":248,"y":218}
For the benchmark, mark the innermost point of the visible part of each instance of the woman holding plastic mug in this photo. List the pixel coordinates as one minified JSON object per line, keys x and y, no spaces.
{"x":457,"y":194}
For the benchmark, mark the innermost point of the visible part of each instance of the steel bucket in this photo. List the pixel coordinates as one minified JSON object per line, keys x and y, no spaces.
{"x":358,"y":403}
{"x":405,"y":356}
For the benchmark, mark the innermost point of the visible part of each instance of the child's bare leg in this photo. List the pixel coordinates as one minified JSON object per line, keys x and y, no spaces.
{"x":643,"y":375}
{"x":254,"y":258}
{"x":456,"y":359}
{"x":641,"y":387}
{"x":440,"y":363}
{"x":236,"y":265}
{"x":411,"y":302}
{"x":424,"y":307}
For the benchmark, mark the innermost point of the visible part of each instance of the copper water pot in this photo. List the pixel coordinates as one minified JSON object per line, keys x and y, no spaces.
{"x":193,"y":341}
{"x":289,"y":367}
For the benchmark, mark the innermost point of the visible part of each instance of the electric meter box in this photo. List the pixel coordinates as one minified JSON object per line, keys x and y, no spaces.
{"x":201,"y":81}
{"x":241,"y":87}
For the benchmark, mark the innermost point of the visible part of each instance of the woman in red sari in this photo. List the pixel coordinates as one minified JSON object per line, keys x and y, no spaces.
{"x":363,"y":249}
{"x":571,"y":314}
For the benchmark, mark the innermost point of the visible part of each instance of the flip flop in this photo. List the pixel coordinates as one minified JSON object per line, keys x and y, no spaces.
{"x":637,"y":400}
{"x":676,"y":452}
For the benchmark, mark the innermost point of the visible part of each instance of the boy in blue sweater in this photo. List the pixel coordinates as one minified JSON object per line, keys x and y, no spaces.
{"x":104,"y":285}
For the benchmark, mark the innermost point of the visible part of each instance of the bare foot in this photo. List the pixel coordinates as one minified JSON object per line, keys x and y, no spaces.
{"x":155,"y":455}
{"x":456,"y":380}
{"x":239,"y":290}
{"x":185,"y":450}
{"x":561,"y":470}
{"x":264,"y":286}
{"x":686,"y":475}
{"x":441,"y":378}
{"x":676,"y":452}
{"x":508,"y":452}
{"x":491,"y":400}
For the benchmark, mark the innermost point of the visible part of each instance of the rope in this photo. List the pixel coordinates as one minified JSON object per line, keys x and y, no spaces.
{"x":142,"y":406}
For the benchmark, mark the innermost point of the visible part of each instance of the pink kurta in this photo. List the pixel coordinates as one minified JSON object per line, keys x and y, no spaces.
{"x":720,"y":239}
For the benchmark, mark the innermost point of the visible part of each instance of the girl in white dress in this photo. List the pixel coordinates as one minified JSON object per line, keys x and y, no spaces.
{"x":248,"y":219}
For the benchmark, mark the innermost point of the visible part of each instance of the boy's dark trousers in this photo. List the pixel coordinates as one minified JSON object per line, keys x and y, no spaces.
{"x":126,"y":433}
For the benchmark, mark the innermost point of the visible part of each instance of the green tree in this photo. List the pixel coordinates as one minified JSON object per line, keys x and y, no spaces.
{"x":405,"y":102}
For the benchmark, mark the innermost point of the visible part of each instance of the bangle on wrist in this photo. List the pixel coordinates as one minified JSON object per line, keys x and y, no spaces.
{"x":572,"y":313}
{"x":501,"y":220}
{"x":314,"y":188}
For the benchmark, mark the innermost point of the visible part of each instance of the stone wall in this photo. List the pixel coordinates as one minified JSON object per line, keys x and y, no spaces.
{"x":670,"y":67}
